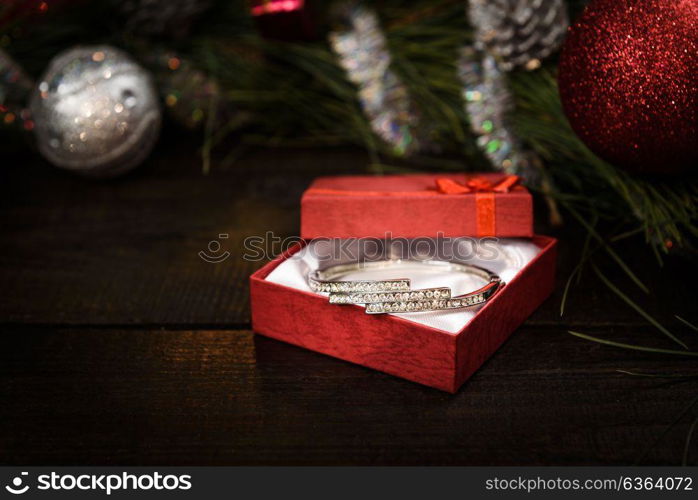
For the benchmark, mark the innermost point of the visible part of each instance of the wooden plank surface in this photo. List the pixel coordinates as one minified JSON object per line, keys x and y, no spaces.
{"x":95,"y":396}
{"x":120,"y":345}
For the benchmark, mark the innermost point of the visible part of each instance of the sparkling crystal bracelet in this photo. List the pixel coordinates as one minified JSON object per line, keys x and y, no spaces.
{"x":396,"y":295}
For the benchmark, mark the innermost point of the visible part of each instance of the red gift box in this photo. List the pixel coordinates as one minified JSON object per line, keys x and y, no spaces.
{"x":394,"y":345}
{"x":420,"y":205}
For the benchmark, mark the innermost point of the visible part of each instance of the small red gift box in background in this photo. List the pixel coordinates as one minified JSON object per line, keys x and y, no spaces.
{"x":413,"y":206}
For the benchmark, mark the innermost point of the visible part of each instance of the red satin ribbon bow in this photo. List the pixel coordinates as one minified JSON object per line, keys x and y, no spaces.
{"x":476,"y":185}
{"x":485,"y":209}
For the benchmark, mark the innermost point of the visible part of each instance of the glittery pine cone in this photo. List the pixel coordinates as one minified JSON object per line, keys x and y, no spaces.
{"x":518,"y":33}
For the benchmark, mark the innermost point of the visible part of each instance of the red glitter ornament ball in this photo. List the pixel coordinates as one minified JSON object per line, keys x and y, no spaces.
{"x":628,"y":80}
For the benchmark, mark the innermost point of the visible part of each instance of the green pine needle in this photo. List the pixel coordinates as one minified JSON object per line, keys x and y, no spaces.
{"x":632,"y":304}
{"x":633,"y":346}
{"x":610,"y":251}
{"x":687,"y":323}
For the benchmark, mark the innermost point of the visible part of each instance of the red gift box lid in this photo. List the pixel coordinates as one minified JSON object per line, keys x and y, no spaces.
{"x":417,"y":205}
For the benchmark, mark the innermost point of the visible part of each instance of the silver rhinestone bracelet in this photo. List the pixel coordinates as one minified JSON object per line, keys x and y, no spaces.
{"x":396,"y":295}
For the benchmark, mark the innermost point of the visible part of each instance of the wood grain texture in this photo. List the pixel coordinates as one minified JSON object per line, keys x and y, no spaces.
{"x":85,"y":396}
{"x":126,"y":251}
{"x":119,"y":345}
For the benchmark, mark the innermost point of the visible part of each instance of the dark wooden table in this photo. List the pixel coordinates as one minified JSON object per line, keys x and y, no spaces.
{"x":119,"y":345}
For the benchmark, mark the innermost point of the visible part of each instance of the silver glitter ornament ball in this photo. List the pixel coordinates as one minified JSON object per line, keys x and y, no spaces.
{"x":96,"y":112}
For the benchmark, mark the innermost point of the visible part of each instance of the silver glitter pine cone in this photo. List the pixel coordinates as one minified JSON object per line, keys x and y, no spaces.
{"x":518,"y":33}
{"x":96,"y":112}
